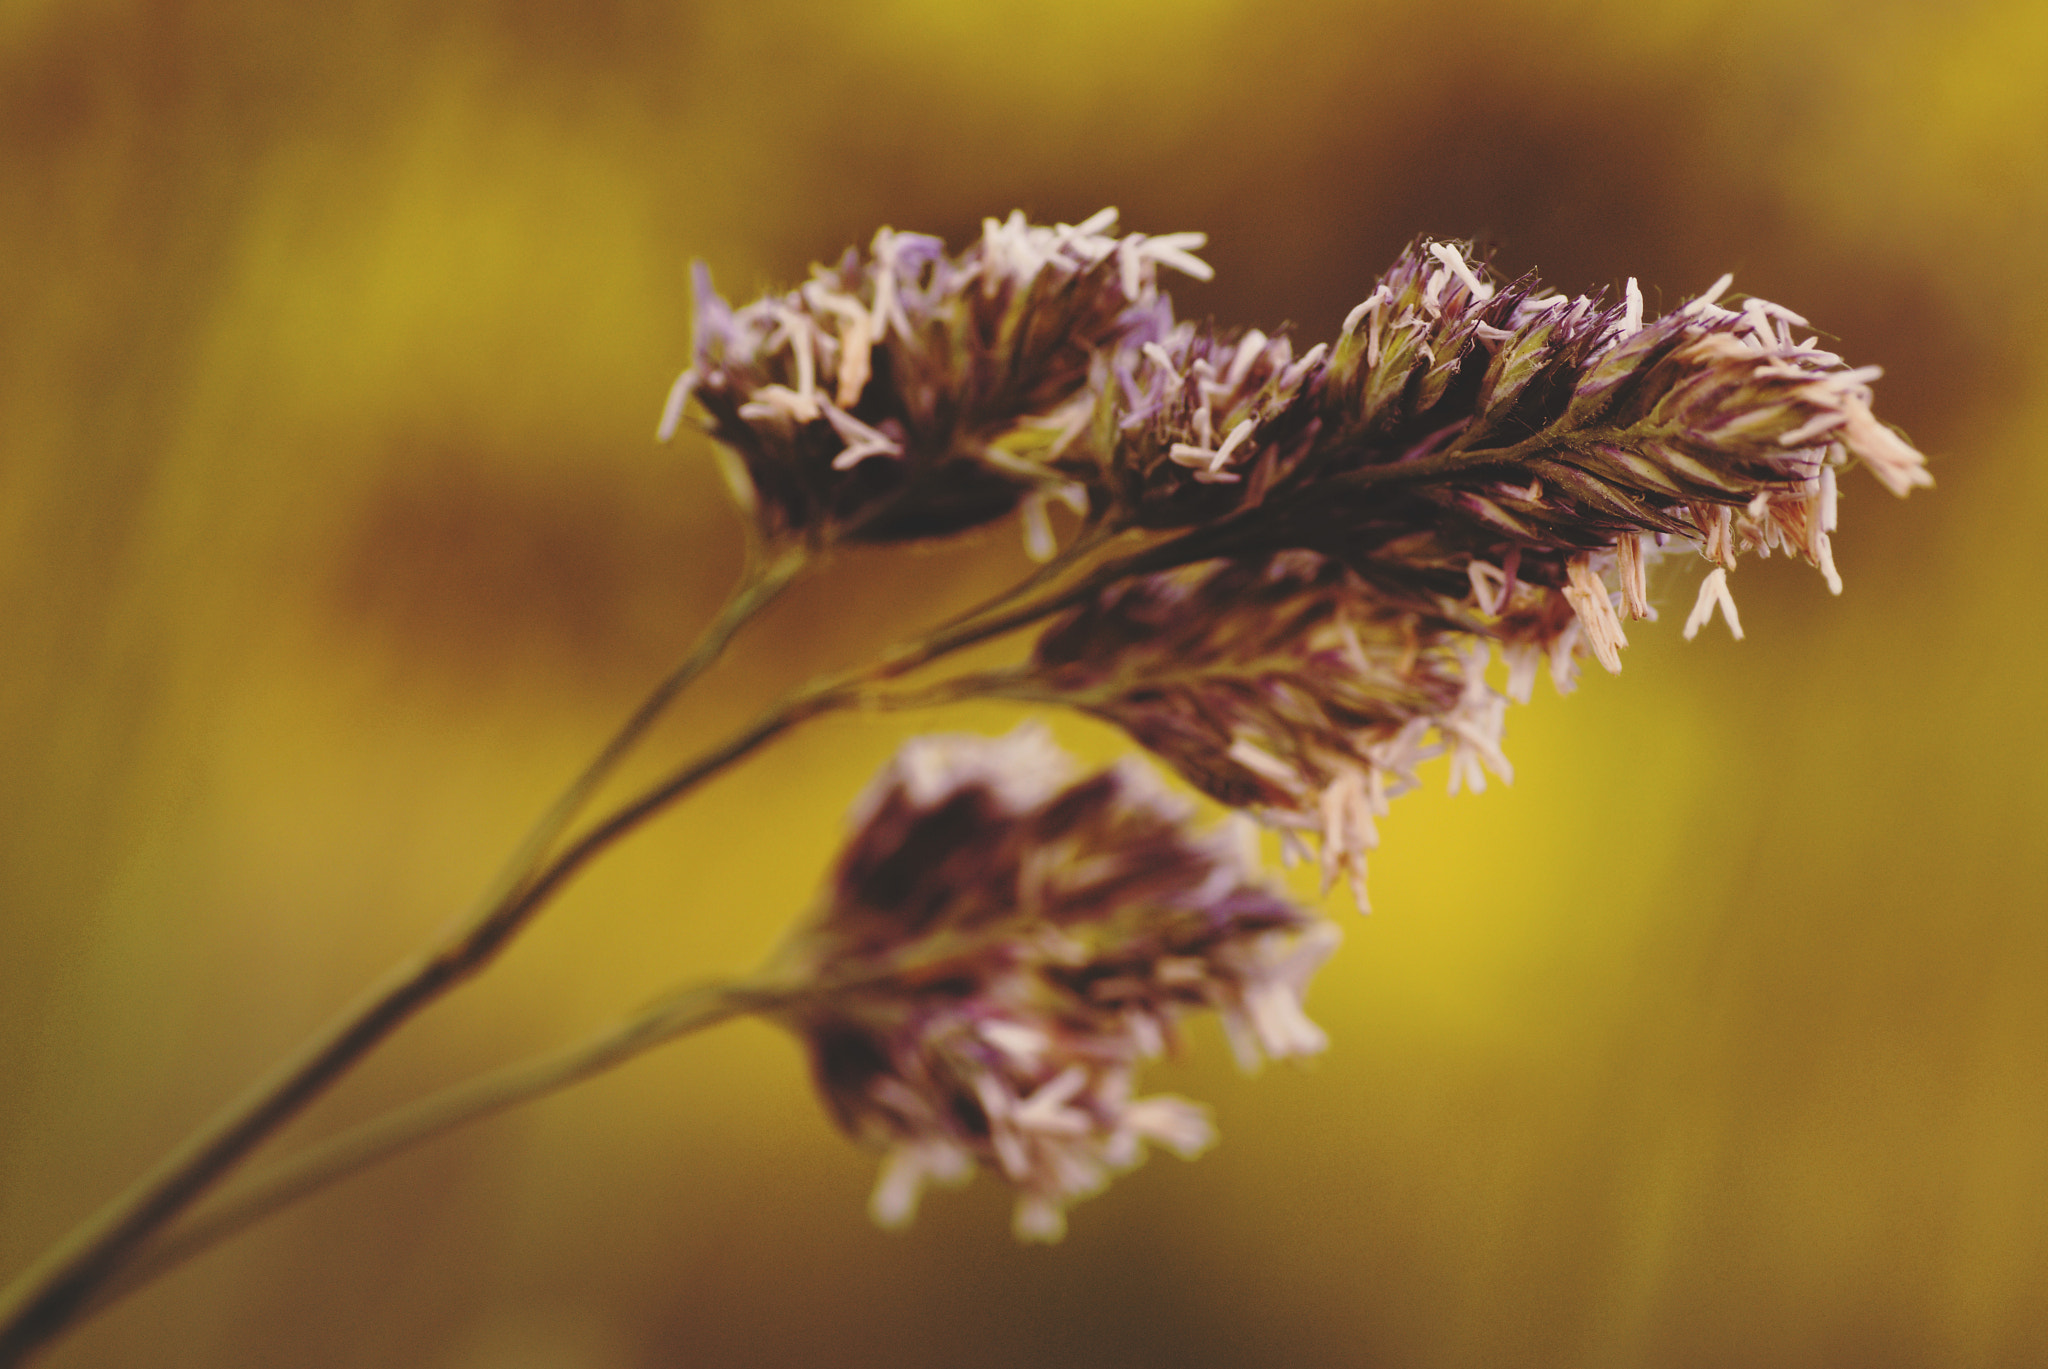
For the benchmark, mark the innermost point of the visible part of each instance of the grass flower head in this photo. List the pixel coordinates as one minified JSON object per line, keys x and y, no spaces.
{"x":1006,"y":944}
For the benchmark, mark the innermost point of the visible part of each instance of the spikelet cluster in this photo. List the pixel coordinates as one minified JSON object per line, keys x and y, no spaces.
{"x":1472,"y":465}
{"x":1283,"y":685}
{"x":1005,"y":944}
{"x":909,"y":393}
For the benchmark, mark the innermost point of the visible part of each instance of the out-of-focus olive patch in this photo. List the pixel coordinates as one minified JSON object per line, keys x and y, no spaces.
{"x":464,"y":563}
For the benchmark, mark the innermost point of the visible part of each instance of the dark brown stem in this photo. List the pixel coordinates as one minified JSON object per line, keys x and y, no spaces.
{"x":279,"y":1185}
{"x":50,"y":1294}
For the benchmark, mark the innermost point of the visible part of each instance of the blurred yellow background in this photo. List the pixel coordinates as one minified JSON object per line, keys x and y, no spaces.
{"x":333,"y":536}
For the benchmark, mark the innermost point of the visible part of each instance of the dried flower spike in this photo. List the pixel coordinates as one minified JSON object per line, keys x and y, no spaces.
{"x":1506,"y":416}
{"x":1459,"y":420}
{"x":1284,"y":685}
{"x":1005,"y":945}
{"x":1471,"y":462}
{"x":910,"y":393}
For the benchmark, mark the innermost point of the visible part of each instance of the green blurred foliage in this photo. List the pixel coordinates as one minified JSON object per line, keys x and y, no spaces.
{"x":332,"y":536}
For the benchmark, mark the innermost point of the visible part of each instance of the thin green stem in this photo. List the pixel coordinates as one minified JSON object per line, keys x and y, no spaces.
{"x":822,"y":696}
{"x":1196,"y":545}
{"x":1093,"y":535}
{"x":51,"y":1293}
{"x":279,"y":1185}
{"x":1019,"y":686}
{"x":762,"y":586}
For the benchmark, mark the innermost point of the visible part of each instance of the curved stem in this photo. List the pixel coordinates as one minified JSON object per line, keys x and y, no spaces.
{"x":51,"y":1293}
{"x":760,"y":588}
{"x":970,"y":630}
{"x":1015,"y":685}
{"x":54,"y":1291}
{"x":1093,"y":536}
{"x":279,"y":1185}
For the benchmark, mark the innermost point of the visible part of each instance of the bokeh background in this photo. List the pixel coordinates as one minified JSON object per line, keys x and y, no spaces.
{"x":333,"y":536}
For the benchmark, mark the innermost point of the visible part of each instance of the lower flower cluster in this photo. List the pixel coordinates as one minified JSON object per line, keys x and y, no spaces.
{"x":1006,"y":945}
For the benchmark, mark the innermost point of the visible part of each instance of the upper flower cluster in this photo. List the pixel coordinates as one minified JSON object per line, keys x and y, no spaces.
{"x":1472,"y":462}
{"x":910,"y":393}
{"x":1006,"y":943}
{"x":1507,"y":417}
